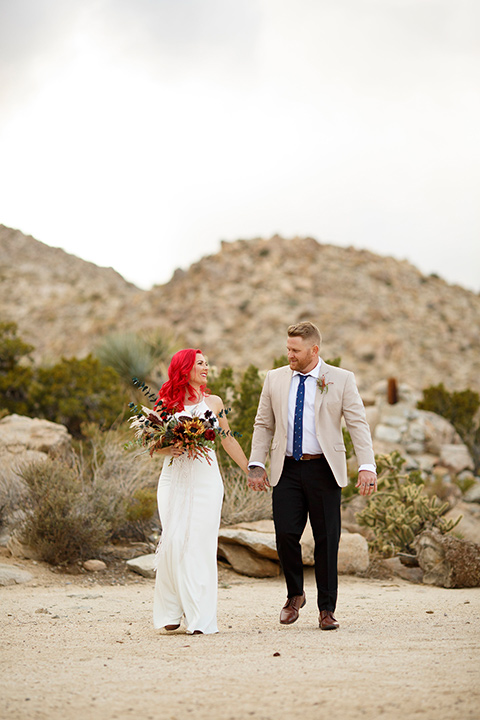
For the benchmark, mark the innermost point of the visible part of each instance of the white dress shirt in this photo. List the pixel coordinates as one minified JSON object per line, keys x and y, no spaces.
{"x":310,"y":444}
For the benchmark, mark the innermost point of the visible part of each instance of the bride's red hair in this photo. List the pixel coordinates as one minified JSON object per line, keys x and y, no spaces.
{"x":172,"y":392}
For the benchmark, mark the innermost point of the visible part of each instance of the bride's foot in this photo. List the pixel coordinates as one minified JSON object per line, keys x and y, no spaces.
{"x":172,"y":627}
{"x":197,"y":632}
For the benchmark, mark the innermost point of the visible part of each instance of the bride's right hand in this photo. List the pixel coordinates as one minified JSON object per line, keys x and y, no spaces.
{"x":171,"y":450}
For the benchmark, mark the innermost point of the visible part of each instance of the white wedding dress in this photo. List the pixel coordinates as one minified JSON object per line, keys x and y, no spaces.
{"x":190,"y":494}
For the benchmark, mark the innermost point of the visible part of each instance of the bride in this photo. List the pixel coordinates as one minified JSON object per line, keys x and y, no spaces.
{"x":190,"y":494}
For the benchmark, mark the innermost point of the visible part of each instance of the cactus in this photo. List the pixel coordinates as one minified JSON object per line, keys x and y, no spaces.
{"x":400,"y":510}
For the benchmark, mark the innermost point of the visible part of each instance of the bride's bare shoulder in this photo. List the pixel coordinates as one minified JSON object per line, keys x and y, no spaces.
{"x":214,"y":402}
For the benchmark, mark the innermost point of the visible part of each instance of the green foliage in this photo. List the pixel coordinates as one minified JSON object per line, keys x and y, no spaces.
{"x":132,"y":355}
{"x":283,"y":360}
{"x":15,"y":378}
{"x":459,"y":408}
{"x":142,"y":505}
{"x":222,"y":384}
{"x":465,"y":483}
{"x":334,"y":361}
{"x":74,"y":392}
{"x":63,"y":522}
{"x":400,"y":510}
{"x":245,"y":406}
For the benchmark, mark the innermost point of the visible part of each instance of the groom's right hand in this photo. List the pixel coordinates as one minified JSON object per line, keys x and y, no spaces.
{"x":257,"y":478}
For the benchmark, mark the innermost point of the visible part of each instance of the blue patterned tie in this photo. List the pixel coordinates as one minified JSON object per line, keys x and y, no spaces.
{"x":298,"y":421}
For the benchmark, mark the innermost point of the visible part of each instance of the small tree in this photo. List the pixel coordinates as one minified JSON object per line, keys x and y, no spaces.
{"x":459,"y":408}
{"x":15,"y":377}
{"x":76,"y":391}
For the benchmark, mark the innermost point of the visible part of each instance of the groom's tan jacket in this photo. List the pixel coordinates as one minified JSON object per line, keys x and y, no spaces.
{"x":339,"y":398}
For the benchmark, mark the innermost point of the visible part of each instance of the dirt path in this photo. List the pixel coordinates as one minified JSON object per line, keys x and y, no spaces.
{"x":72,"y":648}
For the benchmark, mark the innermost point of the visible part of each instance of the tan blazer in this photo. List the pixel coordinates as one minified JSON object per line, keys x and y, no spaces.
{"x":341,"y":399}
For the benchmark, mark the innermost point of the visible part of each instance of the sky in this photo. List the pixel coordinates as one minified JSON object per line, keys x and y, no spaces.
{"x":138,"y":134}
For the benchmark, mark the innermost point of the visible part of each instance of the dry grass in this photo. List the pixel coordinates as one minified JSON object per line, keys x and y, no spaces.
{"x":240,"y":504}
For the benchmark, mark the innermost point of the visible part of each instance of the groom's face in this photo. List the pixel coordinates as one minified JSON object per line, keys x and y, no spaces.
{"x":302,"y":355}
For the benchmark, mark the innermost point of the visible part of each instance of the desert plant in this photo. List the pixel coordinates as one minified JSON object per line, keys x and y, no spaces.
{"x":133,"y":355}
{"x":400,"y":510}
{"x":244,"y":406}
{"x":15,"y":375}
{"x":125,"y":481}
{"x":63,"y":521}
{"x":75,"y":391}
{"x":462,"y":409}
{"x":240,"y":504}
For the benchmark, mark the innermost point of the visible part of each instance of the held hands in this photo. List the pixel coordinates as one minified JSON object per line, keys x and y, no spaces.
{"x":257,"y":479}
{"x":367,"y":482}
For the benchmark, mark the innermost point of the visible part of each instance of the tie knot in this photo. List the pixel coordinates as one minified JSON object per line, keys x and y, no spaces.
{"x":303,"y":378}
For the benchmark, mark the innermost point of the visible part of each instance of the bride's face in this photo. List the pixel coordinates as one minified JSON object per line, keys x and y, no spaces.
{"x":199,"y":372}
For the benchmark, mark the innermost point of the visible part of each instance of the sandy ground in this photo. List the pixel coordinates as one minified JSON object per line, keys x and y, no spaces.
{"x":84,"y":647}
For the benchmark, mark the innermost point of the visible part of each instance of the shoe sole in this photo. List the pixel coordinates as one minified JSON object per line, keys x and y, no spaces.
{"x":329,"y":627}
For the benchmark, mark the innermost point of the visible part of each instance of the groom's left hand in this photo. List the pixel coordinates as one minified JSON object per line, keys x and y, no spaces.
{"x":367,"y":482}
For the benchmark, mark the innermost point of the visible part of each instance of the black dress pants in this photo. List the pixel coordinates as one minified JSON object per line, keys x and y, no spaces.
{"x":307,"y":488}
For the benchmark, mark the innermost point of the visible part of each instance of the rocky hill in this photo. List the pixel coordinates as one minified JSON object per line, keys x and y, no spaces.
{"x":382,"y":316}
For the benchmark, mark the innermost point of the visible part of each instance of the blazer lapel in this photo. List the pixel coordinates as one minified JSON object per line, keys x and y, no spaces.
{"x":319,"y":394}
{"x":283,"y":395}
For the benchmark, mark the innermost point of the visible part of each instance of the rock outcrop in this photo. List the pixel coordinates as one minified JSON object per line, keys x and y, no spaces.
{"x":447,"y":561}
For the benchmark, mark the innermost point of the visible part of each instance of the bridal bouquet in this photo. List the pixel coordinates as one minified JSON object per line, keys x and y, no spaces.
{"x":156,"y":429}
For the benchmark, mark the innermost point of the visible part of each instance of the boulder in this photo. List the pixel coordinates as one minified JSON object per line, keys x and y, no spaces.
{"x":261,"y":543}
{"x":19,"y":550}
{"x":245,"y":561}
{"x":13,"y":576}
{"x":396,"y":567}
{"x":251,"y":549}
{"x":94,"y":565}
{"x":19,"y":433}
{"x":469,"y":525}
{"x":447,"y":561}
{"x":456,"y":457}
{"x":473,"y":494}
{"x":143,"y":565}
{"x":352,"y":554}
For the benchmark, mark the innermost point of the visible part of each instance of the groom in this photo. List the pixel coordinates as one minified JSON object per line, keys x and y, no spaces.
{"x":299,"y":420}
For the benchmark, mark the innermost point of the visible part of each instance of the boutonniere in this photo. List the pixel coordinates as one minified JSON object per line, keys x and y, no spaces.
{"x":322,"y":384}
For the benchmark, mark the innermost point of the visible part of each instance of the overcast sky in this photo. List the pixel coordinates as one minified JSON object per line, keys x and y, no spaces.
{"x":137,"y":134}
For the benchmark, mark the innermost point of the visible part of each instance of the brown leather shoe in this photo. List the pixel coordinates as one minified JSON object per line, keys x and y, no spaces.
{"x":170,"y":628}
{"x":289,"y":612}
{"x":326,"y":620}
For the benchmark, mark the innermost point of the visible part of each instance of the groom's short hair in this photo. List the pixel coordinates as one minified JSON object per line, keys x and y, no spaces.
{"x":306,"y":330}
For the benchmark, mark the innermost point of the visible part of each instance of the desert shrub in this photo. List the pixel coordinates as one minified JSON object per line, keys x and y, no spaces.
{"x":461,"y":409}
{"x":77,"y":391}
{"x":126,"y":482}
{"x":240,"y":504}
{"x":400,"y":510}
{"x":63,"y":521}
{"x":15,"y":375}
